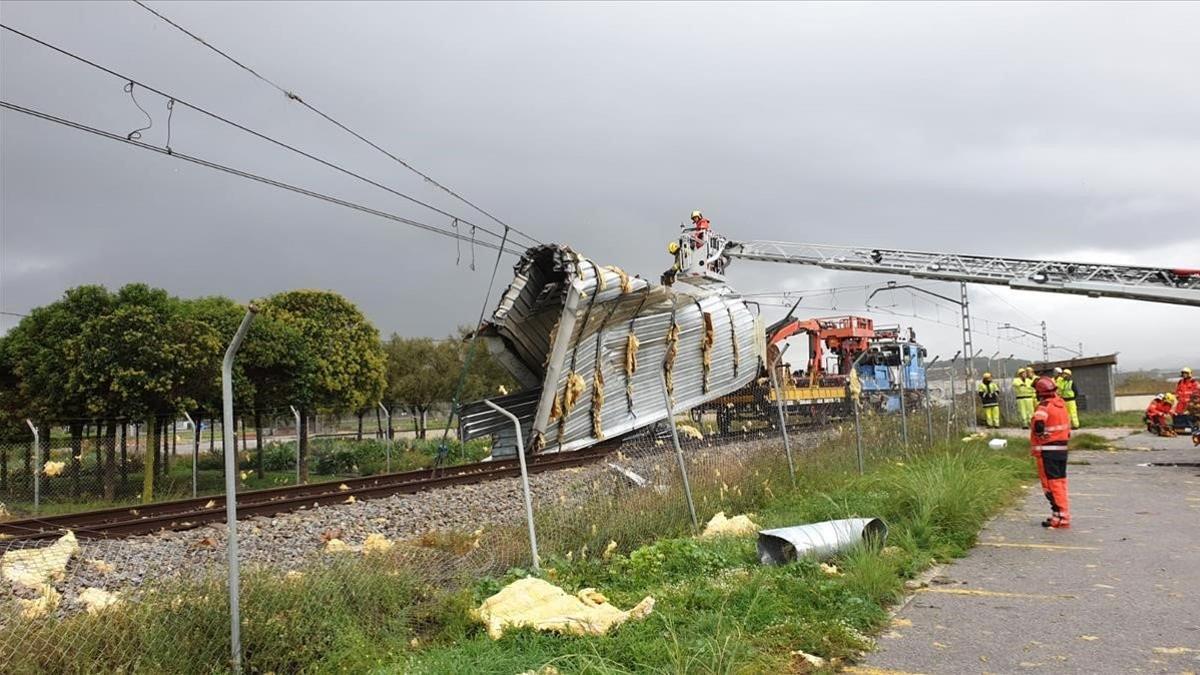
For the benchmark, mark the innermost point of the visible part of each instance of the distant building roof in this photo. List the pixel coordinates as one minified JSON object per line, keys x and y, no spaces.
{"x":1106,"y":360}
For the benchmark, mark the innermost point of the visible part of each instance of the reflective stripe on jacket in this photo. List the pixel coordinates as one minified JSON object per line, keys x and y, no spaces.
{"x":989,"y":393}
{"x":1052,"y":413}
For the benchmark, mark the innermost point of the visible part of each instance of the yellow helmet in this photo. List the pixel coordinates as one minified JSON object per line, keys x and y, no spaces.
{"x":1186,"y":371}
{"x":987,"y":376}
{"x":1169,"y":398}
{"x":673,"y":247}
{"x":1066,"y":371}
{"x":697,"y":214}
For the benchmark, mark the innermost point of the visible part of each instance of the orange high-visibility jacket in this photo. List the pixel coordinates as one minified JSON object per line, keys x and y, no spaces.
{"x":1055,"y":423}
{"x":1183,"y":393}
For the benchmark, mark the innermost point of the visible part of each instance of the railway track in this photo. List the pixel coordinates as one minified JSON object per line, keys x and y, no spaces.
{"x":185,"y":514}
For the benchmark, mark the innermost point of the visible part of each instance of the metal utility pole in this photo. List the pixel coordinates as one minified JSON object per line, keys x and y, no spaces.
{"x":1045,"y":341}
{"x":231,"y":472}
{"x":37,"y":466}
{"x":965,"y":305}
{"x":967,"y":349}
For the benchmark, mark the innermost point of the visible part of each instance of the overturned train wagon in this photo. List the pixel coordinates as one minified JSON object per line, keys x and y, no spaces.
{"x":595,"y":350}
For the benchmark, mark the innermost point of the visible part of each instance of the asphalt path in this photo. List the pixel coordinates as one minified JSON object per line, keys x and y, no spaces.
{"x":1117,"y":593}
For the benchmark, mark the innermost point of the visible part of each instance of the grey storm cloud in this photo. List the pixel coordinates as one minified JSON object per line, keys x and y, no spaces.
{"x":1033,"y":130}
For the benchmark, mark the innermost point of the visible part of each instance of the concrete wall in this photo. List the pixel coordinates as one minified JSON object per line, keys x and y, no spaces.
{"x":1136,"y":402}
{"x":1096,"y":386}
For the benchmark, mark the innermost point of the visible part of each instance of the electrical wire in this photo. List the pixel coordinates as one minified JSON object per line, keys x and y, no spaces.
{"x":176,"y":100}
{"x":252,"y":176}
{"x":291,"y":95}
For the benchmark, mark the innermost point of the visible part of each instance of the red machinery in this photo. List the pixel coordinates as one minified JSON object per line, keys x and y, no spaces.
{"x":844,"y":336}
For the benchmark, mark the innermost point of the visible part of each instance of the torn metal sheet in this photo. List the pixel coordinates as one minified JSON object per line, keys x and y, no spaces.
{"x":592,"y":341}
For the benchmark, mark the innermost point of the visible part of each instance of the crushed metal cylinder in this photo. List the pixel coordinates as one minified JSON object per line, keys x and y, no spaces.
{"x":567,"y":326}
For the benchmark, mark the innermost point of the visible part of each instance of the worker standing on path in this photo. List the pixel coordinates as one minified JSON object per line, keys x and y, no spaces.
{"x":1049,"y":434}
{"x":1183,"y":391}
{"x":989,"y":398}
{"x":1022,"y":386}
{"x":1066,"y":390}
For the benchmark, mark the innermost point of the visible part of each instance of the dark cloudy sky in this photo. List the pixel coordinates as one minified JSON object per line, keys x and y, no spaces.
{"x":1068,"y":131}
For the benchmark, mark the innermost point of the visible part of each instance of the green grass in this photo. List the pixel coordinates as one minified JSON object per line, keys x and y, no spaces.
{"x":718,"y":610}
{"x":1124,"y":418}
{"x":1082,"y":440}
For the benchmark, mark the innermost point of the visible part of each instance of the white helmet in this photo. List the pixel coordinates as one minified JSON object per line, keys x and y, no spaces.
{"x":1058,"y":371}
{"x":696,"y":214}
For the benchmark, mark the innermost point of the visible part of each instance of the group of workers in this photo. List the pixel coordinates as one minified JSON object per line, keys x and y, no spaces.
{"x":1024,"y":392}
{"x":1161,"y":414}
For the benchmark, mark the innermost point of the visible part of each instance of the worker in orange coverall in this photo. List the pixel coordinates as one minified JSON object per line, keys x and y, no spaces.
{"x":1158,"y":416}
{"x":1184,"y":389}
{"x":1049,"y":433}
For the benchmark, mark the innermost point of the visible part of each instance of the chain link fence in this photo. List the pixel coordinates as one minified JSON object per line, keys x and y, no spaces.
{"x":67,"y":466}
{"x":327,"y":582}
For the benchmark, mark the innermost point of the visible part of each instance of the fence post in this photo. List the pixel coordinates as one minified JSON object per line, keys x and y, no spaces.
{"x":37,"y":466}
{"x":928,"y":409}
{"x":231,"y":471}
{"x":296,"y":415}
{"x":856,"y":402}
{"x":787,"y":444}
{"x":533,"y":547}
{"x":387,"y":448}
{"x":904,"y":361}
{"x":687,"y":487}
{"x":195,"y":448}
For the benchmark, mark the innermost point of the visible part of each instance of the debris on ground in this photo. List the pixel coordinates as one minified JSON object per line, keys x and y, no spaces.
{"x":40,"y":606}
{"x":689,"y":431}
{"x":720,"y":526}
{"x":377,"y":543}
{"x":807,"y":661}
{"x":33,"y":567}
{"x":543,"y":606}
{"x":53,"y":468}
{"x":97,"y":600}
{"x":336,"y":545}
{"x":831,"y":570}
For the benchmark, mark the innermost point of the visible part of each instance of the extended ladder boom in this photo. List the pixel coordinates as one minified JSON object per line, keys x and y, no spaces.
{"x":1153,"y":284}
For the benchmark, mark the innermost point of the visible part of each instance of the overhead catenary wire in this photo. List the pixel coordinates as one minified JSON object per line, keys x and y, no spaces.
{"x":291,"y":95}
{"x":174,"y":100}
{"x":255,"y":177}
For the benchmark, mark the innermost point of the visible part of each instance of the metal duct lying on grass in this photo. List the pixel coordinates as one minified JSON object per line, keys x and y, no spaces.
{"x":819,"y":540}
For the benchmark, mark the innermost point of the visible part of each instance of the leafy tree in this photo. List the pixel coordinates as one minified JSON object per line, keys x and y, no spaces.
{"x":340,"y":360}
{"x":41,"y":359}
{"x":263,"y":370}
{"x":146,"y":358}
{"x":420,"y":373}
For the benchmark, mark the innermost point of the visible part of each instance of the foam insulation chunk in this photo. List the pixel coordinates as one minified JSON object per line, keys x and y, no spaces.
{"x":33,"y":567}
{"x":377,"y":543}
{"x":40,"y":606}
{"x":720,"y":526}
{"x":96,"y":600}
{"x":543,"y":606}
{"x":598,"y":403}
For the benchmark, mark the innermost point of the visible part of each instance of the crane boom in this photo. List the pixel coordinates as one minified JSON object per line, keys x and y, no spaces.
{"x":1152,"y":284}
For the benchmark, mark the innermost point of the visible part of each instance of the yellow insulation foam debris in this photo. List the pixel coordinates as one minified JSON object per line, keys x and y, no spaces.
{"x":33,"y":567}
{"x":377,"y":543}
{"x":706,"y":348}
{"x":40,"y":606}
{"x":101,"y":566}
{"x":575,"y":386}
{"x":97,"y":600}
{"x":720,"y":526}
{"x":543,"y":606}
{"x":626,"y":284}
{"x":336,"y":545}
{"x":689,"y":431}
{"x":631,"y":350}
{"x":53,"y":468}
{"x":597,"y":403}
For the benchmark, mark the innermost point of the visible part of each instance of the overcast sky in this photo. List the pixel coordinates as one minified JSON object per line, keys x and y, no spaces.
{"x":1067,"y":131}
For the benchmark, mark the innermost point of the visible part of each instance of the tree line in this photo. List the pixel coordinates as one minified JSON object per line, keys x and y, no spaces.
{"x":141,"y":355}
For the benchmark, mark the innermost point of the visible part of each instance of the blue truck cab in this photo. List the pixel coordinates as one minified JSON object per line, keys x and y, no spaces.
{"x":880,"y":370}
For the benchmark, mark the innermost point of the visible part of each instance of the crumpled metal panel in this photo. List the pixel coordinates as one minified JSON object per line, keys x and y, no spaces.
{"x":590,"y":311}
